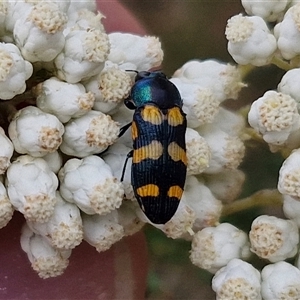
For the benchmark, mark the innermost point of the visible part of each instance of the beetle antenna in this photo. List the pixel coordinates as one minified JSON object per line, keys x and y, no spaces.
{"x":135,"y":71}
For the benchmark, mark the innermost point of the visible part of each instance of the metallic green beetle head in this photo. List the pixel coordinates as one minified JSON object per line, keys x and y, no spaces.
{"x":153,"y":87}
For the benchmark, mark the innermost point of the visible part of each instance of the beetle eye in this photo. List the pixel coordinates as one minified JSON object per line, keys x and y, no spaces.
{"x":129,"y":104}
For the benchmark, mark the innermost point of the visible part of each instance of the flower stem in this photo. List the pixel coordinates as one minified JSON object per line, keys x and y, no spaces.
{"x":281,"y":63}
{"x":260,"y":198}
{"x":245,"y":70}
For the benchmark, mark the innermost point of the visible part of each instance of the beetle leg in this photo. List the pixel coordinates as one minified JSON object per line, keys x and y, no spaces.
{"x":123,"y":129}
{"x":124,"y":168}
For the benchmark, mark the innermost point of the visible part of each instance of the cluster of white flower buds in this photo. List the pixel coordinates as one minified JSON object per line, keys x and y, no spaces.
{"x":267,"y":33}
{"x":57,"y":125}
{"x":62,"y":158}
{"x":54,"y":124}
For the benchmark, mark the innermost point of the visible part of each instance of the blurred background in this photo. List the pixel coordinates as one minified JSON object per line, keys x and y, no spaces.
{"x":187,"y":29}
{"x":194,"y":29}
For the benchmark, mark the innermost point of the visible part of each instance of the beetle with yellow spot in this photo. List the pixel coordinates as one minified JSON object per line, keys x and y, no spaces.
{"x":159,"y":153}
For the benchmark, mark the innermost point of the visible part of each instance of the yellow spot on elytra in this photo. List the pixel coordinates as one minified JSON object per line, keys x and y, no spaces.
{"x":151,"y":190}
{"x":153,"y":151}
{"x":152,"y":114}
{"x":175,"y":191}
{"x":175,"y":117}
{"x":134,"y":131}
{"x":177,"y":153}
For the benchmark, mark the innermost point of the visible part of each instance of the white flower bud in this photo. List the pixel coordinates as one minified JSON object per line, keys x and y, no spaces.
{"x":249,"y":40}
{"x":79,"y":5}
{"x":280,"y":281}
{"x":225,"y":185}
{"x":35,"y":132}
{"x":275,"y":116}
{"x":200,"y":199}
{"x":63,"y":5}
{"x":45,"y":260}
{"x":291,"y":209}
{"x":92,"y":47}
{"x":291,"y":143}
{"x":3,"y":16}
{"x":89,"y":134}
{"x":237,"y":279}
{"x":14,"y":71}
{"x":123,"y":115}
{"x":197,"y":152}
{"x":6,"y":151}
{"x":115,"y":157}
{"x":181,"y":224}
{"x":54,"y":161}
{"x":273,"y":238}
{"x":289,"y":175}
{"x":15,"y":11}
{"x":230,"y":122}
{"x":134,"y":52}
{"x":222,"y":79}
{"x":89,"y":183}
{"x":227,"y":150}
{"x":128,"y":218}
{"x":289,"y":85}
{"x":268,"y":10}
{"x":102,"y":231}
{"x":200,"y":104}
{"x":64,"y":229}
{"x":31,"y":187}
{"x":110,"y":88}
{"x":6,"y":208}
{"x":62,"y":99}
{"x":39,"y":32}
{"x":83,"y":18}
{"x":214,"y":247}
{"x":288,"y":33}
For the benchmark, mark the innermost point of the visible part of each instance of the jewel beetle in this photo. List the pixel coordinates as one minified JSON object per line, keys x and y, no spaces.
{"x":159,"y":159}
